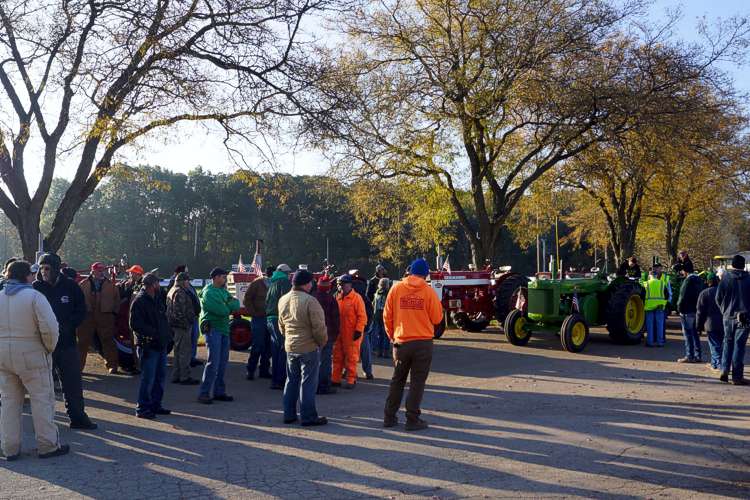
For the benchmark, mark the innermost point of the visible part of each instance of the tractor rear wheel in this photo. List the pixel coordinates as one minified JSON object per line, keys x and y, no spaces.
{"x":514,"y":328}
{"x":441,"y":327}
{"x":626,"y":317}
{"x":507,"y":294}
{"x":471,"y":323}
{"x":574,"y":333}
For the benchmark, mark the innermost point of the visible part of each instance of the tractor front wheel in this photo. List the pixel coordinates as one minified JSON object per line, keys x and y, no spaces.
{"x":515,"y":330}
{"x":574,"y":333}
{"x":470,"y":323}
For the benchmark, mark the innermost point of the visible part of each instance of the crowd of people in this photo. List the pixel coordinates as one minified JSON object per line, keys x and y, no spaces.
{"x":308,"y":339}
{"x":719,"y":307}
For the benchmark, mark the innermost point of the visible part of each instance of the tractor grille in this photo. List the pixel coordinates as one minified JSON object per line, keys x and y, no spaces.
{"x":540,"y":302}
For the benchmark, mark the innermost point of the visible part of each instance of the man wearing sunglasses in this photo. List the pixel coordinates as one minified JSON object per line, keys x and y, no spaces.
{"x":69,"y":306}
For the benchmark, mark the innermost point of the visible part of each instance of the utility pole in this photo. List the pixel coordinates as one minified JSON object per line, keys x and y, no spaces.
{"x":195,"y":244}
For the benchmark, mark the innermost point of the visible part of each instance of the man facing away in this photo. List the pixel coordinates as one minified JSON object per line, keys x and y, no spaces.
{"x":709,"y":320}
{"x":733,"y":299}
{"x":302,"y":323}
{"x":411,"y":312}
{"x":278,"y":287}
{"x":687,"y":304}
{"x":69,"y":306}
{"x":255,"y":305}
{"x":331,"y":311}
{"x":148,"y":320}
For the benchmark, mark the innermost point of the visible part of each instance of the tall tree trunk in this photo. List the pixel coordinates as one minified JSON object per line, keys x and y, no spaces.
{"x":28,"y":232}
{"x":673,"y":234}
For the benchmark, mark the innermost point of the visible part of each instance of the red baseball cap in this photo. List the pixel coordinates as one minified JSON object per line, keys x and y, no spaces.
{"x":135,"y":269}
{"x":98,"y":266}
{"x":324,"y":283}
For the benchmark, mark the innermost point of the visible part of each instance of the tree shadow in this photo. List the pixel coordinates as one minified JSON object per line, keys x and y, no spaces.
{"x":483,"y":441}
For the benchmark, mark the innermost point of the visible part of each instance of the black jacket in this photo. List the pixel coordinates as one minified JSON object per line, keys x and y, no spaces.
{"x":630,"y":272}
{"x":708,"y":318}
{"x":691,"y":287}
{"x":360,"y":286}
{"x":69,"y":305}
{"x":148,"y":320}
{"x":733,"y":293}
{"x":372,"y":287}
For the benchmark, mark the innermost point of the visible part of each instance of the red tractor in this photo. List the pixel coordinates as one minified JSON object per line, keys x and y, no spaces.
{"x":472,"y":298}
{"x":240,"y":331}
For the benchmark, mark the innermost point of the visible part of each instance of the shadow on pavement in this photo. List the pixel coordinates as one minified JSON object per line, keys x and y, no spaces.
{"x":486,"y":438}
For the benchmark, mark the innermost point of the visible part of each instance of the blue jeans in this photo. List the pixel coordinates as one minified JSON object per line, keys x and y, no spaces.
{"x":278,"y":354}
{"x":715,"y":345}
{"x":733,"y":353}
{"x":216,"y":366}
{"x":365,"y":352}
{"x":194,"y":335}
{"x":655,"y":327}
{"x":326,"y":366}
{"x":381,"y":344}
{"x":301,"y":384}
{"x":261,"y":348}
{"x":153,"y":376}
{"x":692,"y":339}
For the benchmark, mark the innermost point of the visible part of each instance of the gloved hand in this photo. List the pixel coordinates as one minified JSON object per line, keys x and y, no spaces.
{"x":357,"y":336}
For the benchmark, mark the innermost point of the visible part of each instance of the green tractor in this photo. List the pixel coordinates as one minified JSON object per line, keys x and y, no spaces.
{"x":570,"y":306}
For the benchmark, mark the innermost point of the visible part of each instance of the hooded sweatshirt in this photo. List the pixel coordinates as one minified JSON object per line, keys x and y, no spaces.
{"x":412,"y":310}
{"x":27,"y":322}
{"x":68,"y":303}
{"x":733,"y":293}
{"x":280,"y":285}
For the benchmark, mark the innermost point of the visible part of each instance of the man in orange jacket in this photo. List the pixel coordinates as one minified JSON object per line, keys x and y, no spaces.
{"x":353,"y":319}
{"x":411,"y":312}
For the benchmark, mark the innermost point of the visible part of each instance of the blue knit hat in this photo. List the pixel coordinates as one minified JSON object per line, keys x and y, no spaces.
{"x":420,"y":267}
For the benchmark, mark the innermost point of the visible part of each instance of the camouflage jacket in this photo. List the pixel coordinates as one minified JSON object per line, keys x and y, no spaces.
{"x":180,"y":312}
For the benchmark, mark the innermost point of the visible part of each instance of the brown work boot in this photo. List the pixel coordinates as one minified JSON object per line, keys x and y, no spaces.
{"x":390,"y":422}
{"x":416,"y":425}
{"x":742,"y":381}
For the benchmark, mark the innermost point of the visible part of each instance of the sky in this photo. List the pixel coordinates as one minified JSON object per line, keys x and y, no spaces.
{"x":191,"y":146}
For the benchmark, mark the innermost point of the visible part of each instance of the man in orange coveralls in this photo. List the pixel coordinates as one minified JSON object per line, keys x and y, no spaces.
{"x":411,"y":312}
{"x":353,"y":319}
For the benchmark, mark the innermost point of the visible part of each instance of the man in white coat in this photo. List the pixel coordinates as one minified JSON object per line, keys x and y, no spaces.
{"x":28,"y":335}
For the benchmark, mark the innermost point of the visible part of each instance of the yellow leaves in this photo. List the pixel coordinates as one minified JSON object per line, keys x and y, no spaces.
{"x":401,"y":219}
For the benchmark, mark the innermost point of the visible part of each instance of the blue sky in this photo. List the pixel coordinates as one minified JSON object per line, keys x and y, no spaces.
{"x":693,"y":11}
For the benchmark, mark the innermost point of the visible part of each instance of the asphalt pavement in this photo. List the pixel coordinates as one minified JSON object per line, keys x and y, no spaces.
{"x":613,"y":422}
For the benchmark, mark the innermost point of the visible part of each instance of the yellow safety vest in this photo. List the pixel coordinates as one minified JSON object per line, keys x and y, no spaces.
{"x":656,"y":294}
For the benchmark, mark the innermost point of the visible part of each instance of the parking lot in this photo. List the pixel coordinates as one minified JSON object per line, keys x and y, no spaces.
{"x":534,"y":421}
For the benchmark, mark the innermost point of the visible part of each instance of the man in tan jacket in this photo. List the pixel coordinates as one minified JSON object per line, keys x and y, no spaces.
{"x":102,"y":305}
{"x":302,"y":323}
{"x":28,"y":335}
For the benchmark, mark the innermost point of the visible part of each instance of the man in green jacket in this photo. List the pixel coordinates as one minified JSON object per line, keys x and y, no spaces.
{"x":280,"y":285}
{"x":216,"y":306}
